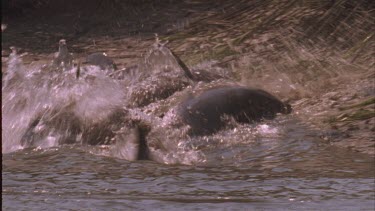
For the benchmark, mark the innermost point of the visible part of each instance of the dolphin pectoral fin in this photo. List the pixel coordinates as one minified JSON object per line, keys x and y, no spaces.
{"x":143,"y":152}
{"x":131,"y":144}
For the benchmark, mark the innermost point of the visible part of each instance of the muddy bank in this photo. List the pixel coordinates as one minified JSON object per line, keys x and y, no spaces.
{"x":318,"y":56}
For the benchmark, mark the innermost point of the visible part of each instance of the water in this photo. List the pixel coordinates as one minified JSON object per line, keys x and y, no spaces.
{"x":289,"y":173}
{"x":281,"y":164}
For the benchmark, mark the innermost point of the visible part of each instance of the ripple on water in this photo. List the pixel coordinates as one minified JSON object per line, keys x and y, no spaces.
{"x":295,"y":173}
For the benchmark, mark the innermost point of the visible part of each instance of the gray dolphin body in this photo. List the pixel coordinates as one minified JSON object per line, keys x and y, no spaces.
{"x":204,"y":112}
{"x":101,"y":60}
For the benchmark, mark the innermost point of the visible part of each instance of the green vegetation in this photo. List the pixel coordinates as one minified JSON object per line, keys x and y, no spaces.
{"x":217,"y":53}
{"x":362,"y":114}
{"x":362,"y":104}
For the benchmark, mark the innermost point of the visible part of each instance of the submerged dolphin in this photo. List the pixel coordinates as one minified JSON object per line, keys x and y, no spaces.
{"x":101,"y":60}
{"x":204,"y":113}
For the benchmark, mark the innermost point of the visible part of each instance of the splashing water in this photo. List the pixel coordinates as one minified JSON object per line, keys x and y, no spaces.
{"x":281,"y":164}
{"x":45,"y":107}
{"x":43,"y":92}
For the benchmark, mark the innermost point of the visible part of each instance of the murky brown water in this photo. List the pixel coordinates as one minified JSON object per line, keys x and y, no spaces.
{"x":292,"y":172}
{"x":281,"y":164}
